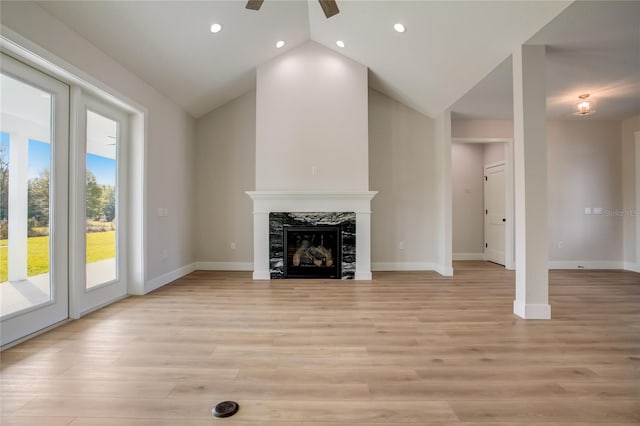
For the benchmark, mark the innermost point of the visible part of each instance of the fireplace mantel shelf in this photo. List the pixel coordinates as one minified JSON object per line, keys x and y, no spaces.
{"x":256,"y":195}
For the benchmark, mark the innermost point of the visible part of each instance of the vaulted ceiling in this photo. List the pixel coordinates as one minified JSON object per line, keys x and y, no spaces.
{"x":449,"y":46}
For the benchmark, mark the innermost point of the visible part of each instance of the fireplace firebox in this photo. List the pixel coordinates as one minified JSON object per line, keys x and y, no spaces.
{"x":312,"y":251}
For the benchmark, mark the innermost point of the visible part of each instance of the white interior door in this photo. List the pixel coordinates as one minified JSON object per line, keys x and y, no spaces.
{"x":33,"y":200}
{"x":99,"y":205}
{"x":495,"y":213}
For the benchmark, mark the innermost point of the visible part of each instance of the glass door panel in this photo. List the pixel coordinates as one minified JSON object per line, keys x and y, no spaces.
{"x":100,"y":199}
{"x":33,"y":202}
{"x":99,"y":213}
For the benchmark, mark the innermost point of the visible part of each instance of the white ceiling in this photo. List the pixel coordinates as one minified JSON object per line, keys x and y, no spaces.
{"x":449,"y":45}
{"x":592,"y":47}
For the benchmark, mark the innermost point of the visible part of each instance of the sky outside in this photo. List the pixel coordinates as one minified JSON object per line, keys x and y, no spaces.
{"x":103,"y":168}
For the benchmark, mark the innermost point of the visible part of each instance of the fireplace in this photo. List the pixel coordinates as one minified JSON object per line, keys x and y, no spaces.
{"x":312,"y":245}
{"x":348,"y":211}
{"x":312,"y":252}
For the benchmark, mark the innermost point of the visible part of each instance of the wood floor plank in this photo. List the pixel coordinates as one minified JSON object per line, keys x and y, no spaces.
{"x":408,"y":348}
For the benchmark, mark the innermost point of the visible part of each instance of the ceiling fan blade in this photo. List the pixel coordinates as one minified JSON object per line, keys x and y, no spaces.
{"x":254,"y":4}
{"x":329,"y":7}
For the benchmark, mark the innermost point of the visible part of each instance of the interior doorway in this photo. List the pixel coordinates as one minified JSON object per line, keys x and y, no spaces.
{"x":494,"y":213}
{"x":478,"y":233}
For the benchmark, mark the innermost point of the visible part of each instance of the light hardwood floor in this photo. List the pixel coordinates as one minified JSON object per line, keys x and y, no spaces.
{"x":407,"y":349}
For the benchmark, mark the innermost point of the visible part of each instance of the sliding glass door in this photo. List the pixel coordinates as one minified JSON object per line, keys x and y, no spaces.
{"x":34,"y":146}
{"x":99,"y":214}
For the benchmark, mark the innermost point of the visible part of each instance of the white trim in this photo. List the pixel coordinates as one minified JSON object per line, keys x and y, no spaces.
{"x":102,"y":305}
{"x":224,"y":266}
{"x":481,"y":140}
{"x":468,"y":256}
{"x":633,"y":267}
{"x":445,"y":271}
{"x":492,"y":165}
{"x":588,"y":264}
{"x":42,"y":59}
{"x":34,"y":334}
{"x":165,"y":279}
{"x":261,"y":275}
{"x":532,"y":311}
{"x":637,"y":138}
{"x":404,"y":266}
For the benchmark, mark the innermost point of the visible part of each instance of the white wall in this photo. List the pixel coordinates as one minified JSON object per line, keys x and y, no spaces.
{"x":493,"y":152}
{"x":169,"y":150}
{"x":467,"y":173}
{"x":311,"y":111}
{"x":461,"y":128}
{"x":629,"y":127}
{"x":225,"y":168}
{"x":402,"y":167}
{"x":584,"y":159}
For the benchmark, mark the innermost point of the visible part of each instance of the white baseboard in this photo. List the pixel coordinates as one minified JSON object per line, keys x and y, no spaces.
{"x":633,"y":267}
{"x":403,"y":266}
{"x":468,"y":256}
{"x":261,"y":275}
{"x":532,"y":311}
{"x":224,"y":266}
{"x":363,"y":276}
{"x":445,"y":271}
{"x":589,"y":264}
{"x":412,"y":266}
{"x":164,"y":279}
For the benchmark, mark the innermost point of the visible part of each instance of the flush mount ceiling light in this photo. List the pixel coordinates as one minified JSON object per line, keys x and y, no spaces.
{"x":279,"y":44}
{"x":340,"y":43}
{"x":399,"y":28}
{"x":584,"y":106}
{"x":216,"y":28}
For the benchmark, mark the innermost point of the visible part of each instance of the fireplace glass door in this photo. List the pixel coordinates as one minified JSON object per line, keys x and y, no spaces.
{"x":312,"y":252}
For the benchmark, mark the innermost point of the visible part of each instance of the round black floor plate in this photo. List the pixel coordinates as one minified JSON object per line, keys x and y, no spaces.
{"x":225,"y":409}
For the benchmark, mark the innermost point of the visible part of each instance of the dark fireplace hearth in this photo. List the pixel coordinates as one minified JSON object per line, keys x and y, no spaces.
{"x":312,"y":252}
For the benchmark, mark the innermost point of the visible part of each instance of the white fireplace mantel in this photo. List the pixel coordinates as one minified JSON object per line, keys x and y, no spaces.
{"x":265,"y":202}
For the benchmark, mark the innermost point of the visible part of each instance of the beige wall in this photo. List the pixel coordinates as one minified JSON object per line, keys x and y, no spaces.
{"x":169,"y":150}
{"x":585,"y":158}
{"x":493,"y":152}
{"x":629,"y":127}
{"x":481,"y":128}
{"x":403,"y":169}
{"x":584,"y":171}
{"x":467,"y":172}
{"x":311,"y":111}
{"x":225,"y":168}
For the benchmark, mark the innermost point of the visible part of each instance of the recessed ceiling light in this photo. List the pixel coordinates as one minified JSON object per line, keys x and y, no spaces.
{"x":399,"y":28}
{"x":340,"y":43}
{"x":280,"y":44}
{"x":216,"y":28}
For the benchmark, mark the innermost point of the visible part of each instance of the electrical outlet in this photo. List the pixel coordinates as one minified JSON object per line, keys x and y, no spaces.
{"x":314,"y":170}
{"x":233,"y":246}
{"x":560,"y":244}
{"x":165,"y":254}
{"x":401,"y":245}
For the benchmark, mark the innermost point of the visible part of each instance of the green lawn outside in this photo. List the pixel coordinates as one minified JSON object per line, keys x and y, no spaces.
{"x":100,"y":246}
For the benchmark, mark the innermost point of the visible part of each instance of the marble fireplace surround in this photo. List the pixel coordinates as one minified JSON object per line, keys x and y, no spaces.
{"x":265,"y":202}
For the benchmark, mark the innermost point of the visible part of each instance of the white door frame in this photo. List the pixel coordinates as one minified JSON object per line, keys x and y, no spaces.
{"x":509,"y":234}
{"x":637,"y":212}
{"x":86,"y":300}
{"x":487,"y":168}
{"x":18,"y":325}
